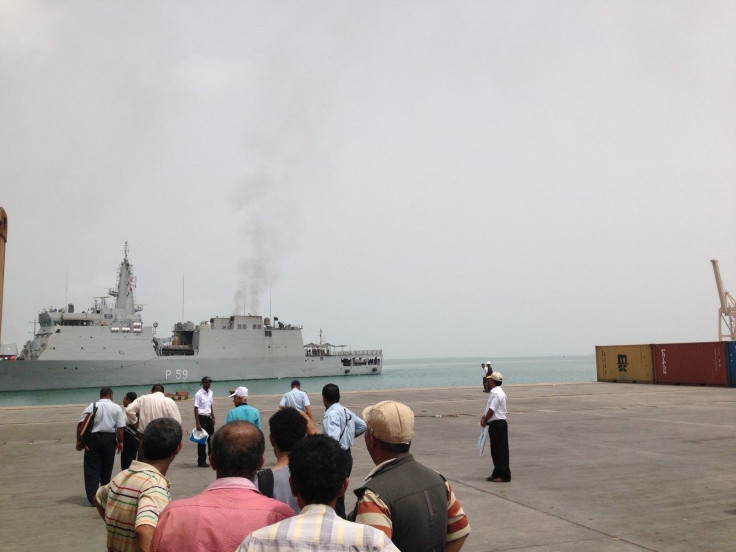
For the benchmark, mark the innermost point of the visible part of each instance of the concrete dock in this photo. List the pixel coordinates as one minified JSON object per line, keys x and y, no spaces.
{"x":595,"y":467}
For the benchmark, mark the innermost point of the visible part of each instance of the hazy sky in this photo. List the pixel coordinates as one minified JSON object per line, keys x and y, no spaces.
{"x":432,"y":178}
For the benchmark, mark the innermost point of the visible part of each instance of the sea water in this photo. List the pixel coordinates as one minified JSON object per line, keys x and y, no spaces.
{"x":397,"y":374}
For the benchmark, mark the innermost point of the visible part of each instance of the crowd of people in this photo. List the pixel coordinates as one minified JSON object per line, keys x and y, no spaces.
{"x":296,"y":504}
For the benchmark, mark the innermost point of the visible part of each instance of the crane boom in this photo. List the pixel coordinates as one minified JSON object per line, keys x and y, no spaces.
{"x":727,"y":311}
{"x":719,"y":284}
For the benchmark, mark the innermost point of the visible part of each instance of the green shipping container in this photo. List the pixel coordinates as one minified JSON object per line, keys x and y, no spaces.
{"x":624,"y":363}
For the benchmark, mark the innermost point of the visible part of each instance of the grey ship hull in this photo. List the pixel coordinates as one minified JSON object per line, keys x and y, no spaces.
{"x":28,"y":375}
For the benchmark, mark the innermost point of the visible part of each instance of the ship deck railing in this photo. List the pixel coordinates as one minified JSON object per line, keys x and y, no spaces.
{"x":341,"y":353}
{"x":365,"y":352}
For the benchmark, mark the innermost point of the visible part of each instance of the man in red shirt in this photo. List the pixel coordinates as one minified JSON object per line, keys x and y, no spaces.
{"x":222,"y":515}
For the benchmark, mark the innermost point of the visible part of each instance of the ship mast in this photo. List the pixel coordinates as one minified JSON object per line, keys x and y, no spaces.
{"x":123,"y":292}
{"x":727,"y":310}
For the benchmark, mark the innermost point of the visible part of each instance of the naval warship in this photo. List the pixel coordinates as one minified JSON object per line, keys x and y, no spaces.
{"x":108,"y":344}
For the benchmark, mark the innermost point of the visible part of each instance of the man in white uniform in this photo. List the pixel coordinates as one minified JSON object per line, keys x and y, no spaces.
{"x":204,"y":417}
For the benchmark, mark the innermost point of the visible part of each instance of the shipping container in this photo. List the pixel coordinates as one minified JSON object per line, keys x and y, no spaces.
{"x":690,"y":363}
{"x":624,"y":363}
{"x":731,"y":362}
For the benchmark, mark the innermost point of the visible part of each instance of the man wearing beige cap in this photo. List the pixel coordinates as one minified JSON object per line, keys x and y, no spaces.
{"x":494,"y":416}
{"x":412,"y":504}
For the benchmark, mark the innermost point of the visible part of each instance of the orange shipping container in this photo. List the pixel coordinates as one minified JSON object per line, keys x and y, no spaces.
{"x":624,"y":363}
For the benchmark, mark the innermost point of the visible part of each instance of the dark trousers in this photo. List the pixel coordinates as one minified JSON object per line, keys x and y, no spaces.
{"x":130,"y":450}
{"x":340,"y":505}
{"x":98,"y":461}
{"x":203,"y":450}
{"x":498,"y":432}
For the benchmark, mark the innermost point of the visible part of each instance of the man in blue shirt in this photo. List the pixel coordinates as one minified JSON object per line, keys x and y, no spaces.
{"x":296,"y":398}
{"x":343,"y":425}
{"x":243,"y":411}
{"x":108,"y":421}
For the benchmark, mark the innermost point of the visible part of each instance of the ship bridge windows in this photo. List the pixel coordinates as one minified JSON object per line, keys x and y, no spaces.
{"x":74,"y":322}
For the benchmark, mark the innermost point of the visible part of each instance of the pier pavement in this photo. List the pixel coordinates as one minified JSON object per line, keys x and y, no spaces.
{"x":600,"y":467}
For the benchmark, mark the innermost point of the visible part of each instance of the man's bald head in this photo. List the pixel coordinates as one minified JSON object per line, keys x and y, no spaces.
{"x":237,"y":450}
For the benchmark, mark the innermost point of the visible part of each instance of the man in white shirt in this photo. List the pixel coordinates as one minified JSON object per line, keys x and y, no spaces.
{"x":487,"y":369}
{"x":494,"y":416}
{"x":204,"y":417}
{"x":149,"y":407}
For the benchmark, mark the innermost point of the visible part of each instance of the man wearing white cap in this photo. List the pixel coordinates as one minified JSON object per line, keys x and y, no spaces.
{"x":487,"y":369}
{"x":243,"y":411}
{"x":412,"y":504}
{"x":494,"y":416}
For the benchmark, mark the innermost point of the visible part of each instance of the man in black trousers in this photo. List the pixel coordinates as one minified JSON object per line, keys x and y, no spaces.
{"x":131,"y":437}
{"x":105,"y":439}
{"x":494,"y":417}
{"x":204,"y":418}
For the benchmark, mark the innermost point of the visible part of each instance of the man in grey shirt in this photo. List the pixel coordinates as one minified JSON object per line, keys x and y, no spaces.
{"x":287,"y":427}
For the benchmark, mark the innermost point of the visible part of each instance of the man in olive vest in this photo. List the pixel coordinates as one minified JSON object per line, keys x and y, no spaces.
{"x":412,"y":504}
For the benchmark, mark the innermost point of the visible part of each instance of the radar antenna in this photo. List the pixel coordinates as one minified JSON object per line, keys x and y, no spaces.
{"x":727,"y":310}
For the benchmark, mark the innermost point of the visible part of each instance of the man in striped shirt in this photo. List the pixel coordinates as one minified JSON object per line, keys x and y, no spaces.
{"x":131,"y":503}
{"x":412,"y":504}
{"x":318,"y":476}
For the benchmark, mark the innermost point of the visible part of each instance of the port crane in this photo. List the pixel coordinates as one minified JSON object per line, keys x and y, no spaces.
{"x":727,"y":310}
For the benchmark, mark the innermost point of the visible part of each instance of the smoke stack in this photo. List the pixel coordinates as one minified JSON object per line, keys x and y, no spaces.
{"x":3,"y":240}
